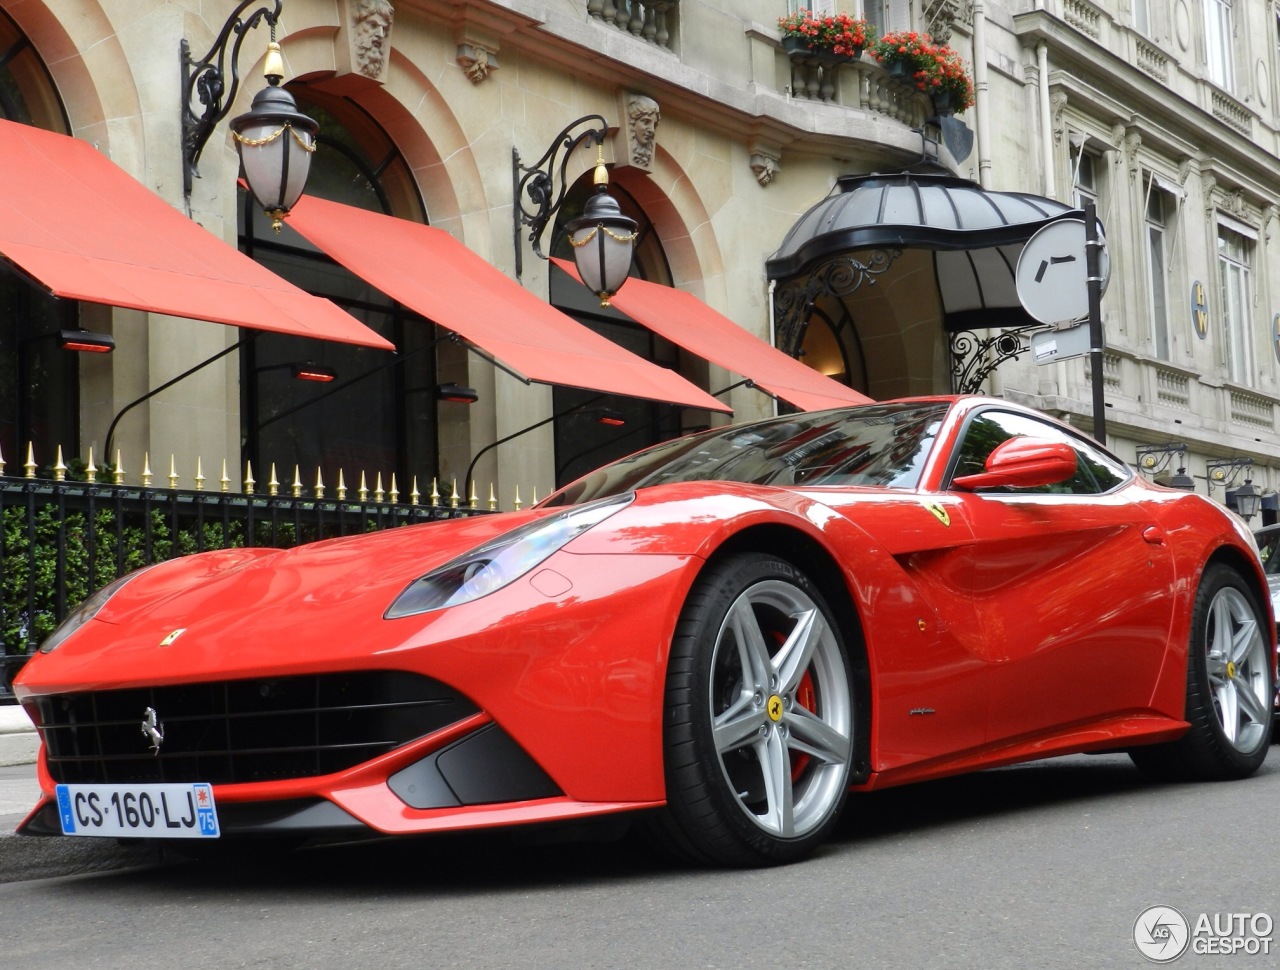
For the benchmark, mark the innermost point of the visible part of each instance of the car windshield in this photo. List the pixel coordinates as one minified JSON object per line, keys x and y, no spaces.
{"x":875,"y":445}
{"x":1269,"y":550}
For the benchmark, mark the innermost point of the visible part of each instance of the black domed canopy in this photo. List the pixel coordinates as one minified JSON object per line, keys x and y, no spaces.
{"x":911,"y":210}
{"x":976,"y":236}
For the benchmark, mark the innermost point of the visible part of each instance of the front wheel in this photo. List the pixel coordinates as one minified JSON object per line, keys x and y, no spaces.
{"x":758,"y":733}
{"x":1229,"y":688}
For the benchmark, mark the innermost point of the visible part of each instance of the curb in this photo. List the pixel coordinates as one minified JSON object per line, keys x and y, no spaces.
{"x":18,"y":738}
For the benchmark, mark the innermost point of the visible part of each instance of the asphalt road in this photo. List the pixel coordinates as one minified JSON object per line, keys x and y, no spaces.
{"x":1044,"y":866}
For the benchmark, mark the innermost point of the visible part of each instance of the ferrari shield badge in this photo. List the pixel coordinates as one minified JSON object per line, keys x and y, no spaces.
{"x":940,"y":512}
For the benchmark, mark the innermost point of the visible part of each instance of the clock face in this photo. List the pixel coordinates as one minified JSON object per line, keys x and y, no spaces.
{"x":1052,"y":276}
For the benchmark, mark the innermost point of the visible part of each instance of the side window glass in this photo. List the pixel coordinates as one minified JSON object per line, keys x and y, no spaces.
{"x":1096,"y":471}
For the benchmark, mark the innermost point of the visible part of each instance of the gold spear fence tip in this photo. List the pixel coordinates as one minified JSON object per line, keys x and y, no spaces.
{"x":91,"y":470}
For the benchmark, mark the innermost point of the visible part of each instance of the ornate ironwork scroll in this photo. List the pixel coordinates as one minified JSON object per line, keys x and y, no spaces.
{"x":973,"y":358}
{"x":838,"y":276}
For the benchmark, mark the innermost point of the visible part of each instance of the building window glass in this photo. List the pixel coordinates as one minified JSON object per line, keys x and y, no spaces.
{"x":1218,"y":39}
{"x":39,"y":383}
{"x":1234,"y":258}
{"x":1142,"y":16}
{"x":1157,"y":225}
{"x":1086,"y":179}
{"x":817,"y":6}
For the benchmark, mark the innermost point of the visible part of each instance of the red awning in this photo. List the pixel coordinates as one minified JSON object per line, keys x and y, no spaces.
{"x":689,"y":323}
{"x":429,"y":271}
{"x":87,"y":230}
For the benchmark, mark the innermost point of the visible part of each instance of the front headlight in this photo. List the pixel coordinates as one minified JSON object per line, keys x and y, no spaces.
{"x":501,"y":561}
{"x":86,"y":611}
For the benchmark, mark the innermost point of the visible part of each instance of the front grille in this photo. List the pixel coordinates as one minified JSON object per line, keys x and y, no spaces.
{"x":242,"y":730}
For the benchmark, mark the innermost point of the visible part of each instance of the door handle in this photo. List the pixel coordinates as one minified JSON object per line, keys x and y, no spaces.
{"x":1153,"y":535}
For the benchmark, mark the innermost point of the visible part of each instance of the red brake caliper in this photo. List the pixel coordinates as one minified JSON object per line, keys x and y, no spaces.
{"x":807,"y":698}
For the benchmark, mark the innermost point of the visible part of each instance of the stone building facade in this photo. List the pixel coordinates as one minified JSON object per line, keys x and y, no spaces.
{"x":1164,"y":114}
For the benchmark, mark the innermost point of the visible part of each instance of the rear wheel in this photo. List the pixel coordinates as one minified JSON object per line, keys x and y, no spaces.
{"x":1229,"y":688}
{"x":759,"y":717}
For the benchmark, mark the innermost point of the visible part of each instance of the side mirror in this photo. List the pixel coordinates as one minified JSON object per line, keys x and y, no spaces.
{"x":1023,"y":463}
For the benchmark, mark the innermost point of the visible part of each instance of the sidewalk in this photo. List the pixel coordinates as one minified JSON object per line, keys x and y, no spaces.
{"x":17,"y":737}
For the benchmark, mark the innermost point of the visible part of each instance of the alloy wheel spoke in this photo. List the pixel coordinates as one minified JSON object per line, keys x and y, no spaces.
{"x":793,"y":658}
{"x":1243,"y":641}
{"x":775,"y":765}
{"x":1254,"y":710}
{"x":1216,"y":668}
{"x":753,"y":651}
{"x":1222,"y":624}
{"x":737,"y":726}
{"x":813,"y":736}
{"x":1228,"y":711}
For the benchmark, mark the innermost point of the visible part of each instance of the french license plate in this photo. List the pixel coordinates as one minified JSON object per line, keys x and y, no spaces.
{"x":150,"y":811}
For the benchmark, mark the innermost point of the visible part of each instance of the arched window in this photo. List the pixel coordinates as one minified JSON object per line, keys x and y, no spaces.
{"x":377,"y":416}
{"x":39,"y":382}
{"x":586,"y":436}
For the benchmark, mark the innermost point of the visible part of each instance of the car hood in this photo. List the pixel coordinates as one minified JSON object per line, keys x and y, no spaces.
{"x":244,"y":609}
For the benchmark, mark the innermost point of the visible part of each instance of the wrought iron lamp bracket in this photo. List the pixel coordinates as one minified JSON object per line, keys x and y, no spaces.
{"x":205,"y":79}
{"x":1154,"y":459}
{"x":539,"y":181}
{"x":1225,"y":473}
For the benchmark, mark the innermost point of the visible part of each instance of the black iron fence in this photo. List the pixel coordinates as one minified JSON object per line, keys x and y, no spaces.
{"x":61,"y":540}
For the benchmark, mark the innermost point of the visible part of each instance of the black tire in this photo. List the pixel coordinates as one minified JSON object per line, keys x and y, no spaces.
{"x":1229,"y":688}
{"x":759,"y":716}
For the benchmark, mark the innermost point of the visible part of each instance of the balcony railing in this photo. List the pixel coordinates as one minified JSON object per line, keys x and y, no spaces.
{"x":650,"y":20}
{"x":861,"y":84}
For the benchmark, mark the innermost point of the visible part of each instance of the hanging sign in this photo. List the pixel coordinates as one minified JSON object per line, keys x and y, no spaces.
{"x":1050,"y":345}
{"x":1199,"y":310}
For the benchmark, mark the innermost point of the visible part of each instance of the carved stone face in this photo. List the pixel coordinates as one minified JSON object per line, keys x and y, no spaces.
{"x":643,"y":115}
{"x":644,"y":126}
{"x":371,"y":28}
